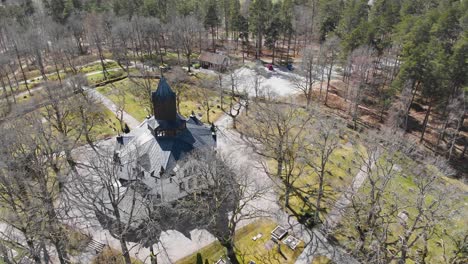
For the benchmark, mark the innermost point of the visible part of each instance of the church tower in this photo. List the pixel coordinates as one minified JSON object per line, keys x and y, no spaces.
{"x":164,"y":102}
{"x":167,"y":122}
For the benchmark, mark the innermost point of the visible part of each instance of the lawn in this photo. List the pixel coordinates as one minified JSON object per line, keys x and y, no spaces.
{"x":191,"y":100}
{"x":339,"y":174}
{"x":99,"y":77}
{"x":402,"y":190}
{"x":97,"y":67}
{"x":108,"y":127}
{"x":262,"y":250}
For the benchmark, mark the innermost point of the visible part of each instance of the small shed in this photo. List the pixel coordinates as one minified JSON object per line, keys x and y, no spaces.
{"x":215,"y":61}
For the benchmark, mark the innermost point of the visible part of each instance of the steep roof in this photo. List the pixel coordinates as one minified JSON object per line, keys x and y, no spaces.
{"x":213,"y":58}
{"x":163,"y":91}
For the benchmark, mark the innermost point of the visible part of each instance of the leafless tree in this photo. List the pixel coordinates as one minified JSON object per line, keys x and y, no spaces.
{"x":331,"y":51}
{"x":385,"y":225}
{"x":122,"y":35}
{"x":232,"y":98}
{"x":177,"y":78}
{"x":35,"y":155}
{"x":118,"y":204}
{"x":276,"y":132}
{"x":77,"y":28}
{"x":318,"y":156}
{"x":37,"y":45}
{"x":223,"y":197}
{"x":185,"y":33}
{"x":97,"y":35}
{"x":309,"y":74}
{"x":360,"y":61}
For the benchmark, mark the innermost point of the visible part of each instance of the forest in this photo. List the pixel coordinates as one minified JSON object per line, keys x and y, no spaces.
{"x":320,"y":92}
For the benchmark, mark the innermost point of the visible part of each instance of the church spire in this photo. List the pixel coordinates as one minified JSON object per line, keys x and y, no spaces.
{"x":164,"y":102}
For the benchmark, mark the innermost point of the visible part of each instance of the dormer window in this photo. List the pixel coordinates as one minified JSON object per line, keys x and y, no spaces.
{"x":181,"y":186}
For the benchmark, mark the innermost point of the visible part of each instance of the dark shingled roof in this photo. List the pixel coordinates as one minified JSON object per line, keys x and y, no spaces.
{"x":163,"y":92}
{"x":156,"y":152}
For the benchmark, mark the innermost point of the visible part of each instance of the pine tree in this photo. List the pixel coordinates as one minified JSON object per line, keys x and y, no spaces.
{"x":258,"y":18}
{"x":212,"y":21}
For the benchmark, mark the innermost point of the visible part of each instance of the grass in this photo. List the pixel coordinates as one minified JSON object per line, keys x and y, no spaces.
{"x":99,"y":77}
{"x":133,"y":105}
{"x":94,"y":67}
{"x":260,"y":251}
{"x":108,"y":127}
{"x":402,"y":190}
{"x":112,"y":256}
{"x":170,"y":58}
{"x":137,"y":105}
{"x":321,"y":260}
{"x":339,"y":174}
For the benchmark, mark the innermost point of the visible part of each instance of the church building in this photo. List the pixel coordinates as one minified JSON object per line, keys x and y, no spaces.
{"x":153,"y":153}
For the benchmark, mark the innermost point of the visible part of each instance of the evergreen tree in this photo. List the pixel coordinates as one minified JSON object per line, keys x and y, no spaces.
{"x":258,"y":18}
{"x":212,"y":21}
{"x":330,"y":12}
{"x":234,"y":15}
{"x":199,"y":258}
{"x":353,"y":28}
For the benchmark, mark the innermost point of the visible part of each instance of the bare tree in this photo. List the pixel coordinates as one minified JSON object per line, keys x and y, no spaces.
{"x":96,"y":35}
{"x":331,"y":50}
{"x":232,"y":98}
{"x":318,"y":156}
{"x":360,"y":62}
{"x":223,"y":197}
{"x":76,"y":26}
{"x":308,"y":74}
{"x":385,"y":225}
{"x":117,"y":203}
{"x":177,"y":77}
{"x":276,"y":132}
{"x":41,"y":167}
{"x":185,"y":33}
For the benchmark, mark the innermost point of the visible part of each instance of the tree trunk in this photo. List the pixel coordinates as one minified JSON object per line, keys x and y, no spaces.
{"x":34,"y":254}
{"x":40,"y":64}
{"x":414,"y":88}
{"x":188,"y":62}
{"x":230,"y":253}
{"x":328,"y":81}
{"x":462,"y":155}
{"x":22,"y":70}
{"x":426,"y":120}
{"x":125,"y":252}
{"x":5,"y":92}
{"x":273,"y":55}
{"x":16,"y":83}
{"x":319,"y":196}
